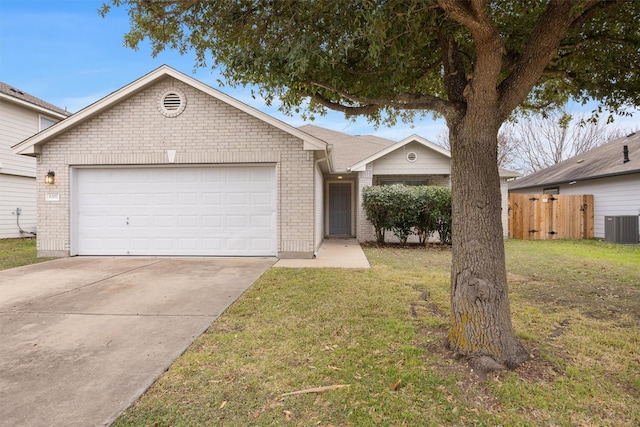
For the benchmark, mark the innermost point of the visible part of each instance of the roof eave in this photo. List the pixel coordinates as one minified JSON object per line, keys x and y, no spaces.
{"x":362,"y":165}
{"x":570,"y":180}
{"x":38,"y":108}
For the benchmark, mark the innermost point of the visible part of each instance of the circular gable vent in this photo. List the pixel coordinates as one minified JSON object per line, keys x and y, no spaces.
{"x":172,"y":102}
{"x":412,"y":157}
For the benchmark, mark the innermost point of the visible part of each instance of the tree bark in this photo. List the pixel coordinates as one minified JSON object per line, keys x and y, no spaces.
{"x":480,"y":317}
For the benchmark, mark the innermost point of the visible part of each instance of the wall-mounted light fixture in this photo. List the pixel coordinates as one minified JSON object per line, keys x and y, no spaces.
{"x":50,"y":178}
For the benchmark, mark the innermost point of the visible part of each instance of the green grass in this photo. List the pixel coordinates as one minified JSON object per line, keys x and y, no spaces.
{"x":374,"y":329}
{"x":575,"y":306}
{"x":18,"y":252}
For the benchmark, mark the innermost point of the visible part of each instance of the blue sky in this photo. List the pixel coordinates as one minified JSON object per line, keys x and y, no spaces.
{"x":65,"y":53}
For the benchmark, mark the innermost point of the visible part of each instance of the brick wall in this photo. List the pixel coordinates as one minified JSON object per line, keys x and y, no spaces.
{"x":134,"y":132}
{"x":366,"y":231}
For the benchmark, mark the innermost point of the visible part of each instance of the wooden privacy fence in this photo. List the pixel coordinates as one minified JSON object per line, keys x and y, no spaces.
{"x":550,"y":216}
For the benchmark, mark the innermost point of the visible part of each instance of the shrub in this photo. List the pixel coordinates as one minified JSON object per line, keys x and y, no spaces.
{"x":403,"y":211}
{"x":424,"y":211}
{"x":376,"y":202}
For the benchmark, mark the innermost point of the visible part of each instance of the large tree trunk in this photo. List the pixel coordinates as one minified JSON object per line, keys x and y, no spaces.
{"x":480,"y":316}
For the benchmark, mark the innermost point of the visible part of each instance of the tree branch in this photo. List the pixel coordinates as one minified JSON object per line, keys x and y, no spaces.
{"x":407,"y":101}
{"x":542,"y":45}
{"x":348,"y":111}
{"x":454,"y":76}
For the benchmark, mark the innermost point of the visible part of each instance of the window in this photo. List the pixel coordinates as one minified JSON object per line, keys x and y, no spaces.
{"x":551,"y":190}
{"x":46,"y":122}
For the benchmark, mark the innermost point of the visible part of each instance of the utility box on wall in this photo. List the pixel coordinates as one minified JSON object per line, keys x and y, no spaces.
{"x":621,"y":229}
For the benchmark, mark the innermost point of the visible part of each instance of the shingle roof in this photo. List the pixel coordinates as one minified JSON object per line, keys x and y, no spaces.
{"x":605,"y":160}
{"x":21,"y":95}
{"x":348,"y":149}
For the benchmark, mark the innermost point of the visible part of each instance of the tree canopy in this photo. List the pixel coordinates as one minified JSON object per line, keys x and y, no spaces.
{"x":473,"y":62}
{"x":385,"y":59}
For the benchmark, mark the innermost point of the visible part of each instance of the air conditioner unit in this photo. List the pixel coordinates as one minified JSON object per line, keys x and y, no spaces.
{"x":621,"y":229}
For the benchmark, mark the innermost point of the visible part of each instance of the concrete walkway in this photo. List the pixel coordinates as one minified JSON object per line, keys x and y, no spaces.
{"x":340,"y":253}
{"x":82,"y":338}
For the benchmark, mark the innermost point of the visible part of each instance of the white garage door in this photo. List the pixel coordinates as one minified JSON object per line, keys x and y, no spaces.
{"x":225,"y":210}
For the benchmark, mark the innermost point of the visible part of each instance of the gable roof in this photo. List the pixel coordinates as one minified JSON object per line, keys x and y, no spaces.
{"x":362,"y":164}
{"x":32,"y":145}
{"x":600,"y":162}
{"x":17,"y":96}
{"x":348,"y":149}
{"x":354,"y":152}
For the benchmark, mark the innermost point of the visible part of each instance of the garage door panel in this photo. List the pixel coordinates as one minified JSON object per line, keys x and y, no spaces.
{"x":260,"y":243}
{"x":236,"y":199}
{"x":211,"y":199}
{"x":163,"y":199}
{"x":176,"y":211}
{"x":140,"y":199}
{"x":212,"y":222}
{"x":163,"y":176}
{"x":188,"y":199}
{"x":261,"y":221}
{"x":236,"y":176}
{"x":164,"y":222}
{"x":162,"y":244}
{"x":212,"y":244}
{"x":189,"y":222}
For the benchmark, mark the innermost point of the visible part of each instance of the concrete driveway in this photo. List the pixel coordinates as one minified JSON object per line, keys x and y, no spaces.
{"x":82,"y":338}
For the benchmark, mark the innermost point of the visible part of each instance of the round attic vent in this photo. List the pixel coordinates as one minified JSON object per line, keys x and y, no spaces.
{"x":172,"y":102}
{"x":412,"y":157}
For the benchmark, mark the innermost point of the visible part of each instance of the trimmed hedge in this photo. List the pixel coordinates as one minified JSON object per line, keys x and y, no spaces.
{"x":406,"y":210}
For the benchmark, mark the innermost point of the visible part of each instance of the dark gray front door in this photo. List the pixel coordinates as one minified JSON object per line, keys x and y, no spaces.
{"x":340,"y":208}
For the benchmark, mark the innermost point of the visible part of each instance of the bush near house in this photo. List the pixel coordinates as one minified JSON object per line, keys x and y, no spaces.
{"x":405,"y":210}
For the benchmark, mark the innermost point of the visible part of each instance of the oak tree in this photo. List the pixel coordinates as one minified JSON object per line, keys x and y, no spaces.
{"x":472,"y":62}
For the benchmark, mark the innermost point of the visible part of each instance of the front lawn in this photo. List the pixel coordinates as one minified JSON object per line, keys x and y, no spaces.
{"x":375,"y":339}
{"x":18,"y":252}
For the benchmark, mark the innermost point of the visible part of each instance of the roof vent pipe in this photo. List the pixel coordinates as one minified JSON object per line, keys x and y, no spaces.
{"x":625,"y":152}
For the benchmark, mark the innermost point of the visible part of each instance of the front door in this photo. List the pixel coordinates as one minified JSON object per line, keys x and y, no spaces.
{"x":340,"y":209}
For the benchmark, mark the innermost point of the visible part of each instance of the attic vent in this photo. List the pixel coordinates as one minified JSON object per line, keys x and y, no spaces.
{"x":172,"y":102}
{"x":412,"y":157}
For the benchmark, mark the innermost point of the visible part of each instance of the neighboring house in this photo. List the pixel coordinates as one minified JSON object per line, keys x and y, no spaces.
{"x":21,"y":115}
{"x":610,"y":172}
{"x":170,"y":166}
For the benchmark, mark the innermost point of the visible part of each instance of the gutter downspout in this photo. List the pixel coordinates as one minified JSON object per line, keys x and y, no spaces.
{"x":327,"y":158}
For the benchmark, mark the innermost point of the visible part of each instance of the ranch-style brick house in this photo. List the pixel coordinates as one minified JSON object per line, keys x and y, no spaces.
{"x":169,"y":166}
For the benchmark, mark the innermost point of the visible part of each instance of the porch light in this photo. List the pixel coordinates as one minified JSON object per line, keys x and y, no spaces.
{"x":50,"y":178}
{"x":340,"y":177}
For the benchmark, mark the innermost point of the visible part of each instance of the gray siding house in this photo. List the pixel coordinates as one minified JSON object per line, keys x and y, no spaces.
{"x":170,"y":166}
{"x":21,"y":115}
{"x":610,"y":172}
